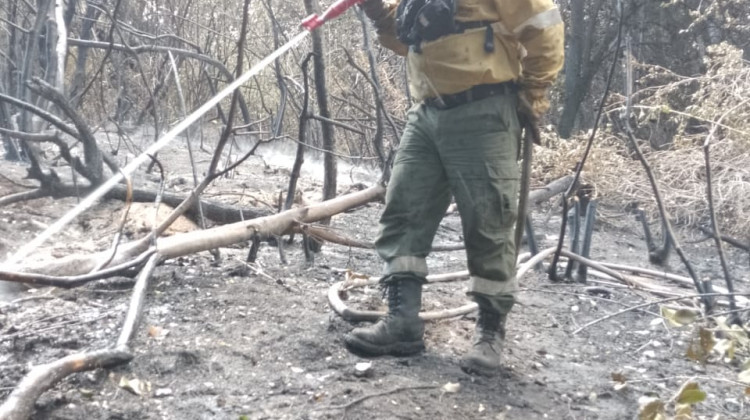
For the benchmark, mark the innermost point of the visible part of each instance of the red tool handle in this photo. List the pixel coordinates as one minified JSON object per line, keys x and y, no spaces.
{"x":313,"y":22}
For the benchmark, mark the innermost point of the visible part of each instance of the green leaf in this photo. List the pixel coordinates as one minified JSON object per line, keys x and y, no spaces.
{"x":690,"y":393}
{"x":691,"y":396}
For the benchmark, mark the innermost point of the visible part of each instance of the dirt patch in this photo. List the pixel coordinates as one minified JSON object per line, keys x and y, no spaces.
{"x":231,"y":340}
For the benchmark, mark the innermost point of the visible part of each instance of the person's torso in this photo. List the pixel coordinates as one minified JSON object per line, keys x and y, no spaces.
{"x":457,"y":62}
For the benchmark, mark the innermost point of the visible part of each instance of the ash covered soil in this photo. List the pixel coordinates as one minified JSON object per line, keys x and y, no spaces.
{"x":232,"y":340}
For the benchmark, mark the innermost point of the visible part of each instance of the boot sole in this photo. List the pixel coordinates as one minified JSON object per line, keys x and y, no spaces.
{"x":367,"y":349}
{"x":471,"y":367}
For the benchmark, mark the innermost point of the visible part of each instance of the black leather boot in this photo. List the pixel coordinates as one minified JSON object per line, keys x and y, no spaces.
{"x":400,"y":332}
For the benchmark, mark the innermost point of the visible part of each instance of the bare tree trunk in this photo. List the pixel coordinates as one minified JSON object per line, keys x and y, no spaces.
{"x":380,"y":112}
{"x":79,"y":74}
{"x":319,"y":69}
{"x":30,"y":61}
{"x":61,"y":49}
{"x":278,"y":120}
{"x":299,"y":158}
{"x":573,"y":65}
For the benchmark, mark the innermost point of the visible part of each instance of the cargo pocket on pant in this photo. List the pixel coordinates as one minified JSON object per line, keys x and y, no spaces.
{"x":503,"y":180}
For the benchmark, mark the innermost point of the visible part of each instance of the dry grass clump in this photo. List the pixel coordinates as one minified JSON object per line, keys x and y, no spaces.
{"x":621,"y":182}
{"x":719,"y":99}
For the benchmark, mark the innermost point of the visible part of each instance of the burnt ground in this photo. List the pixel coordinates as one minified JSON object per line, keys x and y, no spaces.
{"x":258,"y":341}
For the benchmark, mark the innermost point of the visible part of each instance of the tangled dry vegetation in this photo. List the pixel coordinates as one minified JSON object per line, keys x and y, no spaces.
{"x":687,"y":110}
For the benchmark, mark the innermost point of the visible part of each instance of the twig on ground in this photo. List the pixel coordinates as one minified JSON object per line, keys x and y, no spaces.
{"x":123,"y":220}
{"x":27,"y":333}
{"x":557,"y":292}
{"x":136,"y":301}
{"x":656,"y":302}
{"x":45,"y":296}
{"x":731,"y":241}
{"x":380,"y":394}
{"x":17,"y":184}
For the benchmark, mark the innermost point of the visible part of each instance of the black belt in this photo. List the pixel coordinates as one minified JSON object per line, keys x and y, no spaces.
{"x":477,"y":93}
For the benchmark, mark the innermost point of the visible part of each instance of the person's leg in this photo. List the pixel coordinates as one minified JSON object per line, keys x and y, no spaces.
{"x":479,"y":147}
{"x":417,"y":197}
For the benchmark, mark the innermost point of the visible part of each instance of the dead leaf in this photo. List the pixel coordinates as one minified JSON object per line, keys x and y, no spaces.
{"x":725,"y":349}
{"x":88,"y":393}
{"x":619,"y":377}
{"x":154,"y":331}
{"x":683,"y":412}
{"x":701,"y":346}
{"x":650,"y":408}
{"x":136,"y":386}
{"x":351,"y":275}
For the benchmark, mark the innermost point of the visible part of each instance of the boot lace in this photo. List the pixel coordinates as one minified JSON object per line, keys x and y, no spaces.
{"x":390,"y":293}
{"x":488,"y":323}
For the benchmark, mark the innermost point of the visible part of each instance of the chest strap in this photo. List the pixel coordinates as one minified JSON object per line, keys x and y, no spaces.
{"x":461,"y":27}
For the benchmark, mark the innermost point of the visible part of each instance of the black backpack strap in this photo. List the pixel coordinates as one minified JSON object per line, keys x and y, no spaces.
{"x":489,"y":39}
{"x":489,"y":35}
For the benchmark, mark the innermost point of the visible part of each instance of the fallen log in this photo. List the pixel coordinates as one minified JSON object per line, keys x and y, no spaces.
{"x":218,"y":212}
{"x":204,"y":240}
{"x":324,"y":233}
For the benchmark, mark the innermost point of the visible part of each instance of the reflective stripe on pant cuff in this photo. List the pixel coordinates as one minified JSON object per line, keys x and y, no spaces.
{"x":416,"y":265}
{"x":493,"y":287}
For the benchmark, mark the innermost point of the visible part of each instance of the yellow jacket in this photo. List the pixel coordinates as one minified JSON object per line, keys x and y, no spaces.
{"x":528,"y":46}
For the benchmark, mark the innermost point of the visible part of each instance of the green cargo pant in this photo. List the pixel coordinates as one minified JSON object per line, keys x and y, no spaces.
{"x":471,"y":152}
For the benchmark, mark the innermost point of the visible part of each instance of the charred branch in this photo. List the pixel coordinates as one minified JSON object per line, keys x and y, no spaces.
{"x":92,"y":154}
{"x":140,"y":49}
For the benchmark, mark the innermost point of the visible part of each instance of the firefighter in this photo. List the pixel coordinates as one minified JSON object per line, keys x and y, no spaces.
{"x":471,"y":65}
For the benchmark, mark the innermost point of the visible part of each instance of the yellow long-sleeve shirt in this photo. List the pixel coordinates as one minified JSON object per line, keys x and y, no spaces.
{"x":528,"y":46}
